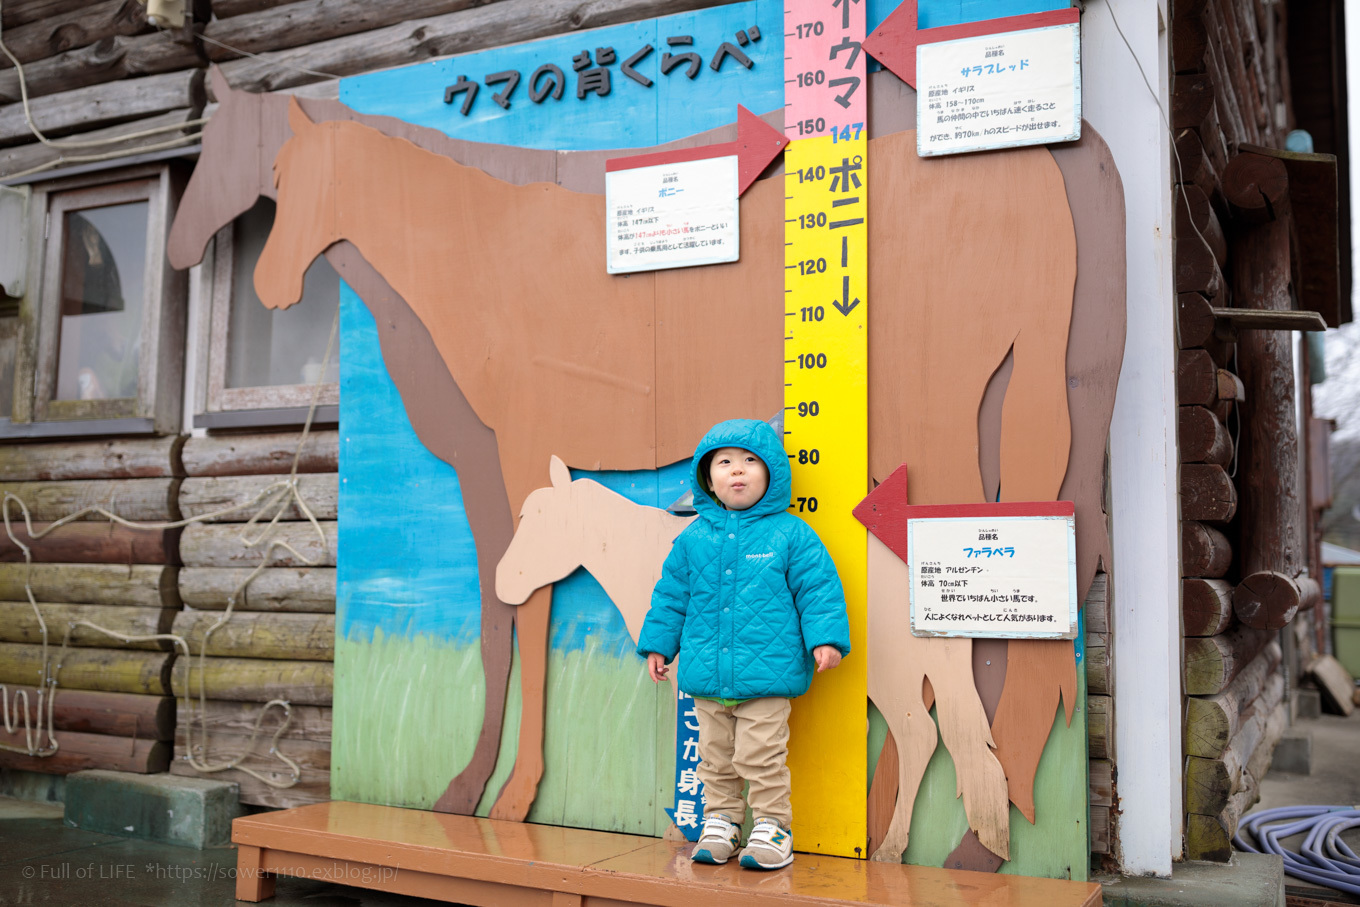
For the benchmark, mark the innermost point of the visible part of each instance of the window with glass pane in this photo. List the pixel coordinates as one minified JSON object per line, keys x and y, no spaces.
{"x":102,"y":296}
{"x":269,"y":347}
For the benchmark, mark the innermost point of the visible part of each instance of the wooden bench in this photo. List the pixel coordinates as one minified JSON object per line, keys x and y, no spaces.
{"x":486,"y":862}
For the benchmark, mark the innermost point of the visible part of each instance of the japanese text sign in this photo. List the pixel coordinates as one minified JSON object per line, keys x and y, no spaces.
{"x":674,"y":215}
{"x":984,"y":574}
{"x":689,"y":790}
{"x":999,"y":90}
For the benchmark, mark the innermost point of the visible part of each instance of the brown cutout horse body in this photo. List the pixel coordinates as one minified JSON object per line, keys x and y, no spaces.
{"x":225,"y":185}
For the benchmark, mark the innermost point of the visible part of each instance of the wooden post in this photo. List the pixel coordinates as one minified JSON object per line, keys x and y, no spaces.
{"x":1271,"y":514}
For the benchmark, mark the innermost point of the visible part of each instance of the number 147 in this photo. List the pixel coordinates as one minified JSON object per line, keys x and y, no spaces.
{"x":844,"y":134}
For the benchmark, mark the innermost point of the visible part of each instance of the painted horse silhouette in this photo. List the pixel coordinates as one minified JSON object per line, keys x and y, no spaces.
{"x":608,"y":372}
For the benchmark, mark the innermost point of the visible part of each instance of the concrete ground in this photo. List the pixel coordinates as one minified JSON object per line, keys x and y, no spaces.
{"x":1334,"y":781}
{"x":44,"y":862}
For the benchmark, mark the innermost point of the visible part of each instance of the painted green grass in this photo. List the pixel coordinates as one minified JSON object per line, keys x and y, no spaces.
{"x":1056,"y":846}
{"x":413,"y":709}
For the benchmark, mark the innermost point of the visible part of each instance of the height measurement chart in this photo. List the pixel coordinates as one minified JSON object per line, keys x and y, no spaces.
{"x":826,"y":388}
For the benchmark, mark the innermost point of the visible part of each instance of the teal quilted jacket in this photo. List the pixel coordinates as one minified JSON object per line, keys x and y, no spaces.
{"x":745,"y":596}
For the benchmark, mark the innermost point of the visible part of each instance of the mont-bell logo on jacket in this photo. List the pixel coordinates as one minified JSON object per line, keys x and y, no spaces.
{"x":757,"y":557}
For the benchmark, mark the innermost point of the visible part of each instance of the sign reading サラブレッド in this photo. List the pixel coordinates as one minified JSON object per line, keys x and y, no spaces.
{"x":999,"y":90}
{"x":980,"y":574}
{"x":672,"y":215}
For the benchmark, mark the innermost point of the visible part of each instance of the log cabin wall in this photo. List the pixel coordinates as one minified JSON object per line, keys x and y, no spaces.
{"x":1246,"y":531}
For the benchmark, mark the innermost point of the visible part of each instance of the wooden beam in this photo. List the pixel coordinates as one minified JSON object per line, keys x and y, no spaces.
{"x":1194,"y":320}
{"x":1197,"y":270}
{"x":259,"y":680}
{"x":82,"y":752}
{"x":75,"y":28}
{"x":1205,"y":551}
{"x":1255,"y":319}
{"x":107,"y":60}
{"x":1196,"y":378}
{"x":1267,"y":600}
{"x":275,"y":589}
{"x":90,"y":712}
{"x":1098,"y":673}
{"x":1210,"y":837}
{"x":1099,"y":727}
{"x":1207,"y":493}
{"x":306,"y":722}
{"x":93,"y":543}
{"x":118,"y":459}
{"x":1192,"y":96}
{"x":220,"y":545}
{"x":1212,"y":662}
{"x":1196,"y":217}
{"x":18,"y":623}
{"x":143,"y":500}
{"x":203,"y":495}
{"x":1210,"y":783}
{"x":1211,"y":721}
{"x":103,"y":105}
{"x":261,"y":454}
{"x":261,"y":634}
{"x":131,"y":585}
{"x":26,"y":157}
{"x":1206,"y":606}
{"x":109,"y":670}
{"x":1202,"y":437}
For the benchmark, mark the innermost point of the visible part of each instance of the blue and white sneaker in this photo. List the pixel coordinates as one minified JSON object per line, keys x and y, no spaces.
{"x":718,"y":840}
{"x":769,"y":847}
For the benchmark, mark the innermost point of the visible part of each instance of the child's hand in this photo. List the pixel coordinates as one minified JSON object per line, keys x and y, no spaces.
{"x":827,"y":657}
{"x":656,"y":667}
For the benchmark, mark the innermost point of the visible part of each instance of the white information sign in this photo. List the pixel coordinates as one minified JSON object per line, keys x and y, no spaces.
{"x":672,"y":215}
{"x":999,"y":91}
{"x":1011,"y":577}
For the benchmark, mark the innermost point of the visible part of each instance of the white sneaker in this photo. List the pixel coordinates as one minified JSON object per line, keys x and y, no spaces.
{"x":769,"y":847}
{"x":718,"y":840}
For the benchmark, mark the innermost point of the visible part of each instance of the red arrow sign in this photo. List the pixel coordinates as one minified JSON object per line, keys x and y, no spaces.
{"x":756,"y":146}
{"x":894,"y":42}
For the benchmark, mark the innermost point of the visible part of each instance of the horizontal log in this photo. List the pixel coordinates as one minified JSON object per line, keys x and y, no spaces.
{"x":1209,"y":783}
{"x":1100,"y":829}
{"x":1196,"y":167}
{"x":1210,"y":837}
{"x":83,"y":752}
{"x":1096,"y":608}
{"x":1194,"y":319}
{"x":208,"y":494}
{"x":1211,"y":662}
{"x":263,"y":454}
{"x":275,"y":589}
{"x":1230,"y":387}
{"x":1101,"y":775}
{"x":142,"y":500}
{"x":1202,"y":438}
{"x":310,"y":755}
{"x":1211,"y":721}
{"x":1207,"y":839}
{"x":107,"y":60}
{"x":119,"y":459}
{"x":1205,"y":551}
{"x":221,"y":545}
{"x":261,"y":634}
{"x":259,"y":680}
{"x":1192,"y":97}
{"x":94,"y":543}
{"x":1195,"y":216}
{"x":76,"y":28}
{"x":225,"y":9}
{"x":108,"y":670}
{"x":21,"y":13}
{"x":1207,"y":493}
{"x":1099,"y":727}
{"x":103,"y":105}
{"x":1197,"y":270}
{"x":35,"y":154}
{"x":131,"y":585}
{"x":1196,"y":381}
{"x":314,"y":787}
{"x":288,"y":25}
{"x":1098,"y":670}
{"x":1189,"y":42}
{"x":1206,"y":606}
{"x":1267,"y":600}
{"x":18,"y":623}
{"x":1256,"y":186}
{"x":90,"y":712}
{"x":1310,"y":592}
{"x":306,"y":722}
{"x":1261,"y":320}
{"x":506,"y":22}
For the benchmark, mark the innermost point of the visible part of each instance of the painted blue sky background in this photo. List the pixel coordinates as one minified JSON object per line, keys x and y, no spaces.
{"x":407,"y":560}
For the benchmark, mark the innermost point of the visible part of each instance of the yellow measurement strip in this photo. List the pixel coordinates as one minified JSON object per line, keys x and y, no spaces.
{"x":826,"y":436}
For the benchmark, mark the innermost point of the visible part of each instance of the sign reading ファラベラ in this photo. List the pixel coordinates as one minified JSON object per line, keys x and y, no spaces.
{"x":984,"y":574}
{"x":999,"y":90}
{"x":672,"y":215}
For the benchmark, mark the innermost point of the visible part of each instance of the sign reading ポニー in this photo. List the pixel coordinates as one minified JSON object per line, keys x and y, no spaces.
{"x":674,"y":215}
{"x":999,"y":90}
{"x":988,"y":570}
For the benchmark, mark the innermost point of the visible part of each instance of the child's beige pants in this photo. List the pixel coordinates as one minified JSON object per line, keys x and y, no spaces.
{"x":750,"y":741}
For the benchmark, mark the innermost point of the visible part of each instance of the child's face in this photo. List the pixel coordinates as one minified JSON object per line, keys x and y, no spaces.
{"x":739,"y":477}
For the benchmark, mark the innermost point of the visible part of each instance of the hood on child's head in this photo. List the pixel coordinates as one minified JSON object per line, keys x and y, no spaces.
{"x":760,"y":439}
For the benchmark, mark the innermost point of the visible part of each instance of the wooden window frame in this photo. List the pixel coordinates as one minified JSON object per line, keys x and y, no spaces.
{"x":160,"y":378}
{"x":220,"y":406}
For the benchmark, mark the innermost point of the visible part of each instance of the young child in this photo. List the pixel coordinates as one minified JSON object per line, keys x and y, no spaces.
{"x":752,"y":598}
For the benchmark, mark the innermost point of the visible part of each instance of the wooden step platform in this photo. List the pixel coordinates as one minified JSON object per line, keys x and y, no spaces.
{"x":486,"y":862}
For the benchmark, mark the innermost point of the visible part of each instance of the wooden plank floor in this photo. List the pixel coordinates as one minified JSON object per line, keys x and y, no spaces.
{"x":486,"y":862}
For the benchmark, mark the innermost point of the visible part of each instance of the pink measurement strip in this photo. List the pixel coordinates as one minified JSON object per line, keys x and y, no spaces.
{"x":824,"y":65}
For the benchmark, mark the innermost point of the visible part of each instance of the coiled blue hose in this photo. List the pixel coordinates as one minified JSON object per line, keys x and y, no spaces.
{"x":1324,"y":859}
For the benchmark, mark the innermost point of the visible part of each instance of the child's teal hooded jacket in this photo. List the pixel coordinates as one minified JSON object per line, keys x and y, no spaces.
{"x":746,"y":595}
